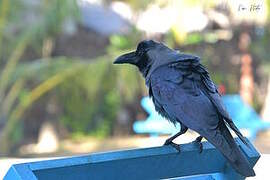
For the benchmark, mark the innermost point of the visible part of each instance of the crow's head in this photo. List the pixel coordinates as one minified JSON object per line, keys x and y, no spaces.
{"x":142,"y":57}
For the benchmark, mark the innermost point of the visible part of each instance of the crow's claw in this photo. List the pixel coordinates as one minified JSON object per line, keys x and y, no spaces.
{"x":199,"y":144}
{"x":167,"y":142}
{"x":175,"y":146}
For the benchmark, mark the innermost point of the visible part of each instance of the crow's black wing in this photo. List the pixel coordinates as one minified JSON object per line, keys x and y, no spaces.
{"x":201,"y":77}
{"x":183,"y":101}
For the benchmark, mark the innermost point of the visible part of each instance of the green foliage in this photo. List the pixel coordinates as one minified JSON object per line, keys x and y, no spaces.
{"x":54,"y":13}
{"x":15,"y":96}
{"x":268,"y":9}
{"x":42,"y":18}
{"x":193,"y":38}
{"x":95,"y":96}
{"x":120,"y":42}
{"x":88,"y":93}
{"x":124,"y":42}
{"x":84,"y":97}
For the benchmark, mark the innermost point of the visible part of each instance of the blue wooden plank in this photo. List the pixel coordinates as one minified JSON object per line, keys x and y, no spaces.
{"x":205,"y":177}
{"x":12,"y":174}
{"x":148,"y":163}
{"x":20,"y":172}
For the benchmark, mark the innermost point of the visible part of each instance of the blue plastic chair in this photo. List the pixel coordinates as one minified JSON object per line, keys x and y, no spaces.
{"x":242,"y":114}
{"x":154,"y":124}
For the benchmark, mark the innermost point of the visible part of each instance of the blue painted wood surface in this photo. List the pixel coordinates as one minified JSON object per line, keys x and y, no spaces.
{"x":148,"y":163}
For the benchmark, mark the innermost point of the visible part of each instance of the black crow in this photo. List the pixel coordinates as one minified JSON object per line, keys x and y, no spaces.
{"x":182,"y":91}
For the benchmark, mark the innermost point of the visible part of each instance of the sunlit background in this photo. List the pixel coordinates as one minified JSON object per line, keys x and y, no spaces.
{"x":61,"y":95}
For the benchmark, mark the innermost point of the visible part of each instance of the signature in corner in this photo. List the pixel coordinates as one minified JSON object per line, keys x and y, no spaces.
{"x":251,"y":8}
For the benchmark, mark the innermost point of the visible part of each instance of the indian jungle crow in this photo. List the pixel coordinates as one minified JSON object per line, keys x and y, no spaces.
{"x":183,"y":92}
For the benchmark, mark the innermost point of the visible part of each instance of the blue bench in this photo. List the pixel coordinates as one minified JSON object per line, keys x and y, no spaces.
{"x":242,"y":114}
{"x":149,"y":163}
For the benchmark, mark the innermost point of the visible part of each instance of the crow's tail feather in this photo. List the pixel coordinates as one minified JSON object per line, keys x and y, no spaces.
{"x":224,"y":142}
{"x":237,"y":132}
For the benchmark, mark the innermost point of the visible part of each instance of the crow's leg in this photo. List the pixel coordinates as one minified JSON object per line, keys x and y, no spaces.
{"x":198,"y":143}
{"x":169,"y":141}
{"x":182,"y":131}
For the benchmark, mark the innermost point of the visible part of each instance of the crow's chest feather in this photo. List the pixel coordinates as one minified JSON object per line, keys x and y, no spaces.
{"x":159,"y":108}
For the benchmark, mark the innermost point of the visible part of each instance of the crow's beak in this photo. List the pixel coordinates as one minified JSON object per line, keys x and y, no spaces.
{"x":130,"y":58}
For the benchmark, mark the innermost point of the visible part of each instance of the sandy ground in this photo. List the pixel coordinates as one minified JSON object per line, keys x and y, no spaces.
{"x":89,"y":145}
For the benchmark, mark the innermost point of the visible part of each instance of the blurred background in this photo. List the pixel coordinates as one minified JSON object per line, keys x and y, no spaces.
{"x":61,"y":95}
